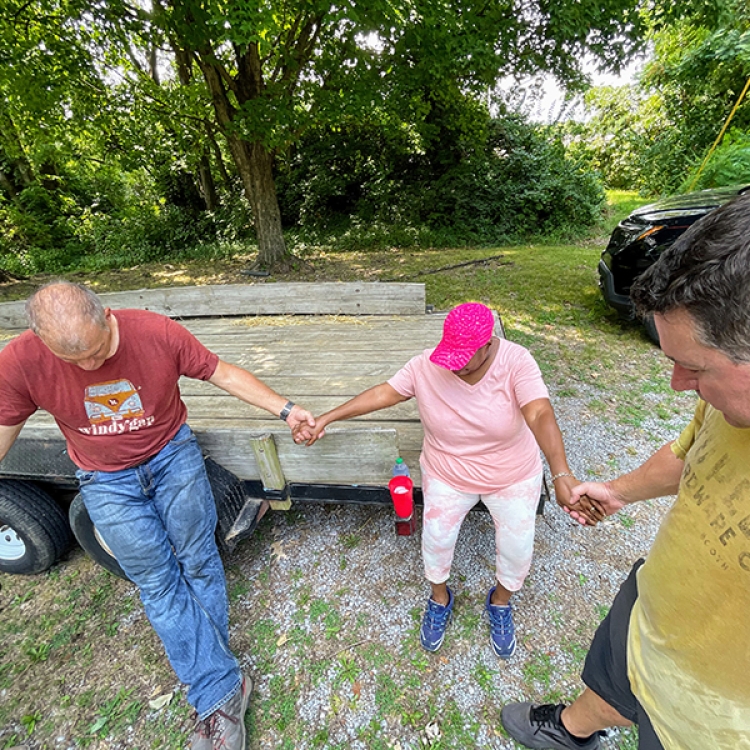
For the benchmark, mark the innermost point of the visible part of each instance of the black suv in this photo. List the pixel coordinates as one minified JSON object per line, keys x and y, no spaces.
{"x":639,"y":240}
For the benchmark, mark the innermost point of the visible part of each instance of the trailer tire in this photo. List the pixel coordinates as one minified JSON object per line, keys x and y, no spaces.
{"x":87,"y":536}
{"x":228,"y":495}
{"x":34,"y":532}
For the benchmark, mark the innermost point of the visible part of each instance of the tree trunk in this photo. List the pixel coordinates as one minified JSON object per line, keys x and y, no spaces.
{"x":7,"y":184}
{"x":10,"y":143}
{"x":208,"y":186}
{"x":254,"y":165}
{"x":272,"y":248}
{"x":222,"y":167}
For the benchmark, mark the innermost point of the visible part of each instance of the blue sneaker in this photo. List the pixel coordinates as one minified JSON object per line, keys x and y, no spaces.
{"x":435,"y":621}
{"x":502,"y":630}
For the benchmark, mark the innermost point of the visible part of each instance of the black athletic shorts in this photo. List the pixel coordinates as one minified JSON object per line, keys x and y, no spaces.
{"x":606,"y":668}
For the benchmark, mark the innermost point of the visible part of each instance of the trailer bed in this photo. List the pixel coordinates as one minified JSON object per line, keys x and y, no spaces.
{"x":317,"y":359}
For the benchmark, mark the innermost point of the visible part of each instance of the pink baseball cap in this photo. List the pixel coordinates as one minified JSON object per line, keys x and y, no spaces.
{"x":467,"y":328}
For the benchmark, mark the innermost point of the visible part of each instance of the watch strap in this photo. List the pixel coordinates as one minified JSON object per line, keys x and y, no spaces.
{"x":286,"y":411}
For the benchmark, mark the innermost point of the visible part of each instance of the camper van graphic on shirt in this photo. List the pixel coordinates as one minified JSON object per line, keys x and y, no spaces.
{"x":114,"y":400}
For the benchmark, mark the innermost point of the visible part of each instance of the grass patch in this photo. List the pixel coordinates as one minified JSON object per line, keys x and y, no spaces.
{"x":537,"y":672}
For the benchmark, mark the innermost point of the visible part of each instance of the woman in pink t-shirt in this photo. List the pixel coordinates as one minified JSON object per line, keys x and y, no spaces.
{"x":486,"y":412}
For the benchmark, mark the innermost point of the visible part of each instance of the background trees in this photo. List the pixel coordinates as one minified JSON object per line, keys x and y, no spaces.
{"x":144,"y":128}
{"x":655,"y":135}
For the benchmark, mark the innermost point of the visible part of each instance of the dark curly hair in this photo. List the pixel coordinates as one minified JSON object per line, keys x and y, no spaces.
{"x":707,"y":273}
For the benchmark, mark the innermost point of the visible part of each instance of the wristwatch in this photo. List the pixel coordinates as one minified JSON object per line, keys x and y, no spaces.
{"x":286,"y":411}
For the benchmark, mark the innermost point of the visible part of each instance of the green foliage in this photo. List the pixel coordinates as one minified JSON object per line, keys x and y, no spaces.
{"x":653,"y":136}
{"x":112,"y":115}
{"x":622,"y":136}
{"x":729,"y":164}
{"x":34,"y":225}
{"x":513,"y":181}
{"x":111,"y":225}
{"x":521,"y":183}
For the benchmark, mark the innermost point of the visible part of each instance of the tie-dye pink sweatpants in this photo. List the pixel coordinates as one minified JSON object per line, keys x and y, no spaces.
{"x":513,"y":511}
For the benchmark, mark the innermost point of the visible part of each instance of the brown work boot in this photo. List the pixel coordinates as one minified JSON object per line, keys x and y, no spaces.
{"x":224,"y":729}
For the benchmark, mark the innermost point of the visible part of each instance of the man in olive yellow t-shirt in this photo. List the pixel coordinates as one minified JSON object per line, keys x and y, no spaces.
{"x":673,"y":654}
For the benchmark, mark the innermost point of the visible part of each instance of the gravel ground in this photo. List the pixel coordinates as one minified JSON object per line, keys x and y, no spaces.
{"x":342,"y":597}
{"x":326,"y":602}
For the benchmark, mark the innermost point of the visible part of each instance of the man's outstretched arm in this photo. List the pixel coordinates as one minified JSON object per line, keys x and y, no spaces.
{"x":656,"y":477}
{"x":245,"y":386}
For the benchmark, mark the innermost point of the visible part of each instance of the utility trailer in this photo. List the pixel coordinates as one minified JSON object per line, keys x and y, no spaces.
{"x":318,"y":344}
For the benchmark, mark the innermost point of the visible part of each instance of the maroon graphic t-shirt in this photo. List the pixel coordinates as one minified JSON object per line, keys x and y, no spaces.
{"x":121,"y":414}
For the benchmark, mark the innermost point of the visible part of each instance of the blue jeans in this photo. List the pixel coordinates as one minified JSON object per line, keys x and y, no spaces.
{"x":159,"y":520}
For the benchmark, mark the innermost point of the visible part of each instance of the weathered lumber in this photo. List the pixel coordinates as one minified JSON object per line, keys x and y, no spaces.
{"x":351,"y":452}
{"x":297,"y":298}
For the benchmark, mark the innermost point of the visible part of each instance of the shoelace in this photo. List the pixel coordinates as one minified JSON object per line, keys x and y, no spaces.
{"x":544,"y":716}
{"x":500,"y":621}
{"x":210,"y":728}
{"x":437,"y":615}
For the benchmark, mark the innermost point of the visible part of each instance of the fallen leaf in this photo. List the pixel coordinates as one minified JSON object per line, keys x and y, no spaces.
{"x":283,"y":638}
{"x":277,"y":550}
{"x":161,"y":701}
{"x":357,"y":689}
{"x":98,"y":724}
{"x":432,"y":732}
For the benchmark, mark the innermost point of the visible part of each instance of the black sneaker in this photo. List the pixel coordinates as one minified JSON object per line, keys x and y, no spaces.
{"x":540,"y":728}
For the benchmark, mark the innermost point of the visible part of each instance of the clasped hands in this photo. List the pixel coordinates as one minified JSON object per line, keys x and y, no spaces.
{"x":589,"y":502}
{"x":304,"y":432}
{"x":299,"y":419}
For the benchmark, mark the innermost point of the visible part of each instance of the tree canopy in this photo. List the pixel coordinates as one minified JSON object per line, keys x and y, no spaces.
{"x":654,"y":135}
{"x":207,"y":92}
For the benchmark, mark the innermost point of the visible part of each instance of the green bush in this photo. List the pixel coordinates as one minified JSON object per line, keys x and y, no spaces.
{"x":522,"y":183}
{"x":728,"y":165}
{"x":518,"y":181}
{"x":112,"y":218}
{"x":36,"y":231}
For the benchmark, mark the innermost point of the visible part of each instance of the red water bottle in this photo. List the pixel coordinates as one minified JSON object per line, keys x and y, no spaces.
{"x":402,"y":493}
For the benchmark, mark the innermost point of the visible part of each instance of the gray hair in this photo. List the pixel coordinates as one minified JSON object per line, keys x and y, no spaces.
{"x":707,"y":273}
{"x":62,"y":312}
